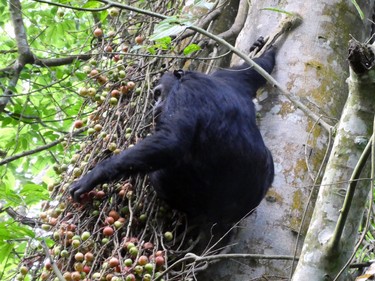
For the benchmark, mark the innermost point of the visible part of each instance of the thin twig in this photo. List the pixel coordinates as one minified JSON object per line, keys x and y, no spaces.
{"x":41,"y":148}
{"x":335,"y":240}
{"x":290,"y":23}
{"x":196,"y":258}
{"x":371,"y":202}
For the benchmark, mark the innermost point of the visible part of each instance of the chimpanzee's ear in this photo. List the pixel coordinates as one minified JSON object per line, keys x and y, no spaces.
{"x":179,"y":73}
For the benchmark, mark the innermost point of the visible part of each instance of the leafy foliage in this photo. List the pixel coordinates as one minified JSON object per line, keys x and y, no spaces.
{"x":43,"y":147}
{"x":43,"y":107}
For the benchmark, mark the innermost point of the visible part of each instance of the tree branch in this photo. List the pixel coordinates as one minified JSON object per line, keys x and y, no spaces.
{"x":205,"y":20}
{"x":41,"y":148}
{"x":239,"y":22}
{"x":25,"y":55}
{"x":335,"y":217}
{"x":195,"y":258}
{"x":335,"y":240}
{"x":61,"y":61}
{"x":20,"y":218}
{"x":361,"y":59}
{"x":288,"y":24}
{"x":24,"y":52}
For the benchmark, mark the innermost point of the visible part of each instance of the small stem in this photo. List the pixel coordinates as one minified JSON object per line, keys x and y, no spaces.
{"x":289,"y":24}
{"x":41,"y":148}
{"x":334,"y":242}
{"x":196,"y":258}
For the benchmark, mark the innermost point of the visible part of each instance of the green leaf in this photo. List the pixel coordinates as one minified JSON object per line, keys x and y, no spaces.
{"x":5,"y":250}
{"x":25,"y":75}
{"x":24,"y":143}
{"x":168,"y":27}
{"x":278,"y":11}
{"x":81,"y":76}
{"x":165,"y":40}
{"x":91,"y":4}
{"x":191,"y":49}
{"x":103,"y":16}
{"x":163,"y":43}
{"x":358,"y":9}
{"x":3,"y":6}
{"x":204,"y":4}
{"x":151,"y":50}
{"x":59,"y":73}
{"x":12,"y":198}
{"x":4,"y":122}
{"x":10,"y":230}
{"x":7,"y":134}
{"x":167,"y":31}
{"x":10,"y":43}
{"x":49,"y":242}
{"x":50,"y":32}
{"x":34,"y":193}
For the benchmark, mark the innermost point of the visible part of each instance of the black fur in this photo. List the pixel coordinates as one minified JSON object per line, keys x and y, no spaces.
{"x":206,"y":156}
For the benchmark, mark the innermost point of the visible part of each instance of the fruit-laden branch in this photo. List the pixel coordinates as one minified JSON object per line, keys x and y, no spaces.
{"x":194,"y":258}
{"x":288,"y":24}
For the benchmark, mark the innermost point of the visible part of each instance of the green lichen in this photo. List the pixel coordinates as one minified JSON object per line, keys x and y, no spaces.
{"x":297,"y":209}
{"x":286,"y":108}
{"x":315,"y":64}
{"x":334,"y":34}
{"x":315,"y":132}
{"x":273,"y":196}
{"x":342,"y":14}
{"x":300,"y":167}
{"x":326,"y":75}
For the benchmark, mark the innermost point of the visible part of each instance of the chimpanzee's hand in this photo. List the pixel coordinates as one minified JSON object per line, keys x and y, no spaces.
{"x":85,"y":184}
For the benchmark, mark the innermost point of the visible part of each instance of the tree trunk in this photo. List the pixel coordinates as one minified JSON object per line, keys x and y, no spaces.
{"x":328,"y":246}
{"x":312,"y":65}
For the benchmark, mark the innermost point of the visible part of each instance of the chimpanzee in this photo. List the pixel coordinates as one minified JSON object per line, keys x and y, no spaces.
{"x":206,"y":157}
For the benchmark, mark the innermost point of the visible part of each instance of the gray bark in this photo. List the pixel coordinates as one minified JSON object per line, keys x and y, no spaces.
{"x":312,"y":65}
{"x":327,"y":247}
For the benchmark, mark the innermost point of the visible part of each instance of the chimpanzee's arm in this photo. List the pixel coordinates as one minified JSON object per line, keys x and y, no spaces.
{"x":160,"y":150}
{"x":247,"y":77}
